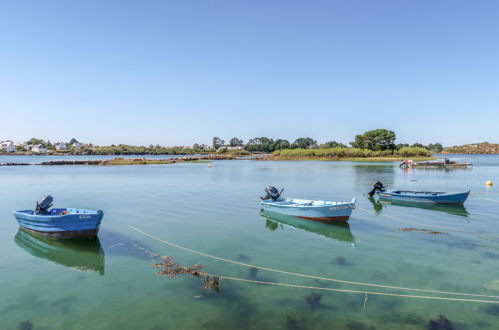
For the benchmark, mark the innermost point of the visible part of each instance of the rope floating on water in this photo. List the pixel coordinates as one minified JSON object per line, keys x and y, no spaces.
{"x":312,"y":276}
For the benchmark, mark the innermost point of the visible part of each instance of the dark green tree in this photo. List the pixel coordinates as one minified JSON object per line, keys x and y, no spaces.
{"x":376,"y":140}
{"x":418,"y":145}
{"x":235,"y":142}
{"x":437,"y":147}
{"x":334,"y":144}
{"x":218,"y":142}
{"x":304,"y":143}
{"x":281,"y":144}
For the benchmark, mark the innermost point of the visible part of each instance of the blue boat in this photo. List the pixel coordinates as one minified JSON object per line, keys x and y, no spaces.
{"x":433,"y":197}
{"x":59,"y":222}
{"x":317,"y":210}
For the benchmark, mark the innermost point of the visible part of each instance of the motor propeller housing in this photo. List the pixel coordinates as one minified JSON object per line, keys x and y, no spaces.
{"x":377,"y":186}
{"x":43,"y":205}
{"x":272,"y":193}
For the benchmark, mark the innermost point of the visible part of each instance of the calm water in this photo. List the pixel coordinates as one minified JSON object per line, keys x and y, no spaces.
{"x":110,"y":284}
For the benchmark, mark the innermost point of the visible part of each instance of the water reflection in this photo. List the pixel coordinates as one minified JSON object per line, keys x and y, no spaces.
{"x":78,"y":254}
{"x":447,"y":208}
{"x":338,"y":231}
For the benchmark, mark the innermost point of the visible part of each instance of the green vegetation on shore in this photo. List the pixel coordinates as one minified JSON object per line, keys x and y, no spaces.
{"x":340,"y":153}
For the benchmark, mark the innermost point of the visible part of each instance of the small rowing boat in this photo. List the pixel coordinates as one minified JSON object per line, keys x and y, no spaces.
{"x":317,"y":210}
{"x":418,"y":196}
{"x":59,"y":222}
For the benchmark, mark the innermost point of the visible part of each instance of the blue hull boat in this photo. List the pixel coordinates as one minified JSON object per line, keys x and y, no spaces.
{"x":322,"y":211}
{"x":419,"y":196}
{"x":61,"y":223}
{"x":423,"y":196}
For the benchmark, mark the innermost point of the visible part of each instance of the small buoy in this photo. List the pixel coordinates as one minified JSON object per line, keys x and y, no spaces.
{"x":489,"y":183}
{"x":209,"y":165}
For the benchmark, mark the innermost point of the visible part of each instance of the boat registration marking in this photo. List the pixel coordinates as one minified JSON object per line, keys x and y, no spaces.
{"x":85,"y":217}
{"x":342,"y":207}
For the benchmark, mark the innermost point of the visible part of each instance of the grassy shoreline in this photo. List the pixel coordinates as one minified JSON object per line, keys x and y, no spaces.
{"x":349,"y":159}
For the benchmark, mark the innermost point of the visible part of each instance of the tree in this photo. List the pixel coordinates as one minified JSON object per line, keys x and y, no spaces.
{"x":35,"y":141}
{"x":235,"y":142}
{"x":304,"y":143}
{"x":73,"y":141}
{"x":261,"y":144}
{"x":196,"y":146}
{"x":418,"y":145}
{"x":334,"y":144}
{"x":437,"y":147}
{"x":280,"y":144}
{"x":217,"y":142}
{"x":376,"y":140}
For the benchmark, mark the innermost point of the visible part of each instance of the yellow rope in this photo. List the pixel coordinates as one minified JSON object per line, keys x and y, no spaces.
{"x":354,"y":291}
{"x":304,"y":275}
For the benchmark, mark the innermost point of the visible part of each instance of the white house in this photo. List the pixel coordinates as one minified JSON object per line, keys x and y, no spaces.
{"x":78,"y":145}
{"x":60,"y":146}
{"x":8,"y":146}
{"x":39,"y":149}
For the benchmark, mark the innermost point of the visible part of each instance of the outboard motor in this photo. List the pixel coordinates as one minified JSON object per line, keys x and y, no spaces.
{"x":272,"y":193}
{"x":43,"y":205}
{"x":377,"y":186}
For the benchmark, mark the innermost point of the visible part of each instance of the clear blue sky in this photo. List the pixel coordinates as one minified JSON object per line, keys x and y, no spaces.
{"x":180,"y":72}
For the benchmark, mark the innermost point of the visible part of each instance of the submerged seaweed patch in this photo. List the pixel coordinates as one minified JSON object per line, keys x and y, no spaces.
{"x":356,"y":325}
{"x":342,"y":261}
{"x":426,"y":231}
{"x":25,"y":325}
{"x":172,"y":269}
{"x":442,"y":323}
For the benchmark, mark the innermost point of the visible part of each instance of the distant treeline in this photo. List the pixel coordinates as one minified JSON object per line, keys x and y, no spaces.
{"x":375,"y":140}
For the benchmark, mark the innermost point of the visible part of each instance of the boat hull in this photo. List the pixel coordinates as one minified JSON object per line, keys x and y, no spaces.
{"x":82,"y":224}
{"x":423,"y":197}
{"x":328,"y":213}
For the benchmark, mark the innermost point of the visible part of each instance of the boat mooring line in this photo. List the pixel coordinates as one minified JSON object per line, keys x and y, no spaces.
{"x":353,"y":291}
{"x":310,"y":276}
{"x":427,"y":225}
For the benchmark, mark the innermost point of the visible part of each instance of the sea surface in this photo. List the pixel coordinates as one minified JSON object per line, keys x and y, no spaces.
{"x":110,"y":283}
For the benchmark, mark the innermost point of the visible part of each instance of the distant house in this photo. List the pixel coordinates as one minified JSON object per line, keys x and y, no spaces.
{"x":39,"y":149}
{"x":231,"y":148}
{"x":8,"y":146}
{"x":78,"y":145}
{"x":60,"y":146}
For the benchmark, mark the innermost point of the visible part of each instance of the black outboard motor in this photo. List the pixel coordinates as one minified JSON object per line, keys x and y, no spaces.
{"x":43,"y":205}
{"x":272,"y":193}
{"x":377,"y":186}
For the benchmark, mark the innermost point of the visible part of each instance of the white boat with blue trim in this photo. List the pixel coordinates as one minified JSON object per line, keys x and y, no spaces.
{"x":317,"y":210}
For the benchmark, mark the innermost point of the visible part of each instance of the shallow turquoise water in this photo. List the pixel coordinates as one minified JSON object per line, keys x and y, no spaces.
{"x":110,"y":284}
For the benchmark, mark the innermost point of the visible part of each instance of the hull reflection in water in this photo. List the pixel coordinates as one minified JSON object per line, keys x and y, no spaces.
{"x":455,"y":209}
{"x":80,"y":255}
{"x":338,"y":231}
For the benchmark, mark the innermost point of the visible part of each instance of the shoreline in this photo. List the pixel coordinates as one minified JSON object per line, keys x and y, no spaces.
{"x":120,"y":161}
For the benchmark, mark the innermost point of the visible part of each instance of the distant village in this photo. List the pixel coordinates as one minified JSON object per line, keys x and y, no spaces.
{"x":36,"y":146}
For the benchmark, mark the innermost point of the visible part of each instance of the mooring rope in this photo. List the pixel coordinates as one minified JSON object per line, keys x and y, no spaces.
{"x":305,"y":275}
{"x":427,"y":225}
{"x":352,"y":291}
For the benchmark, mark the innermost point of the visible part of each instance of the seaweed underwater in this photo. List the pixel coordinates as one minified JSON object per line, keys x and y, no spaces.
{"x":173,"y":269}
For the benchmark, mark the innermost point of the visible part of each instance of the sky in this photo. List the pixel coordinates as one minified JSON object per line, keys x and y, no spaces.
{"x":181,"y":72}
